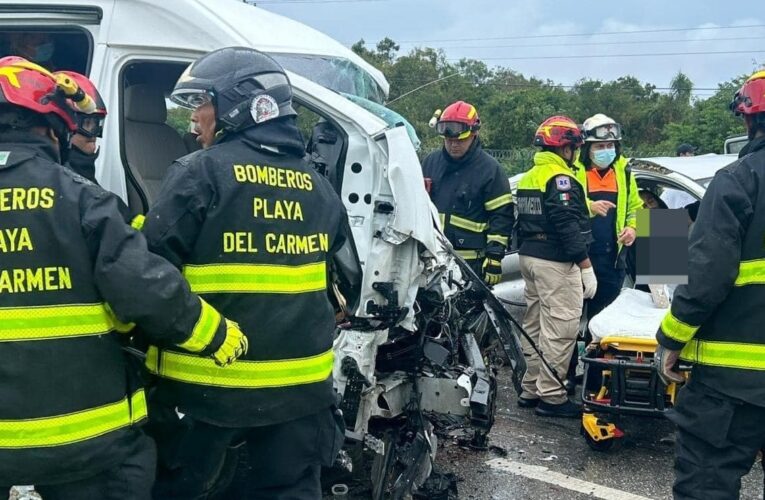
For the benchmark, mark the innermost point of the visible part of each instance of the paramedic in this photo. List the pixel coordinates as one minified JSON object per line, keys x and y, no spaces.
{"x":72,"y":404}
{"x":554,"y":235}
{"x":715,"y":323}
{"x":253,"y":227}
{"x":471,"y":193}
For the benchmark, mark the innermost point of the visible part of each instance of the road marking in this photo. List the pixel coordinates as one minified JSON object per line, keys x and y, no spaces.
{"x":556,"y":478}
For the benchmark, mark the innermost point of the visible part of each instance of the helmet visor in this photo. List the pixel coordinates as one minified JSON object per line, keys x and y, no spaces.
{"x":190,"y":98}
{"x":607,"y":132}
{"x":90,"y":125}
{"x":453,"y":129}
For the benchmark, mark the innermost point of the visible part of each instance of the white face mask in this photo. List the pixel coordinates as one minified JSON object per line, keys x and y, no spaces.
{"x":604,"y":157}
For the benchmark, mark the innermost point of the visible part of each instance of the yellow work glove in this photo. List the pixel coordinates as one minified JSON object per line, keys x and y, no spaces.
{"x":234,"y":346}
{"x":492,"y":271}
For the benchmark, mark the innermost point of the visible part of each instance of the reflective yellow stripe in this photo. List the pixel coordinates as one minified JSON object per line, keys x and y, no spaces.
{"x":242,"y":374}
{"x":498,"y":202}
{"x":502,"y":240}
{"x":469,"y":254}
{"x":138,"y":222}
{"x":676,"y":329}
{"x":256,"y":278}
{"x":73,"y":427}
{"x":51,"y":322}
{"x":204,"y":331}
{"x":466,"y":224}
{"x":751,"y":272}
{"x":725,"y":354}
{"x":442,"y":218}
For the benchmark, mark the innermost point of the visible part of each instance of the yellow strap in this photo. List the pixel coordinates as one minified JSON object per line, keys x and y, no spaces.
{"x":204,"y":331}
{"x":725,"y":354}
{"x":502,"y":240}
{"x":51,"y":322}
{"x":469,"y":225}
{"x":73,"y":427}
{"x":241,"y":374}
{"x":676,"y":329}
{"x":442,"y":218}
{"x":138,"y":222}
{"x":256,"y":278}
{"x":498,"y":202}
{"x":751,"y":272}
{"x":469,"y":254}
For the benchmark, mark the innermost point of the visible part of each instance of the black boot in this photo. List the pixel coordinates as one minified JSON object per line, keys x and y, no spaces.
{"x":563,"y":410}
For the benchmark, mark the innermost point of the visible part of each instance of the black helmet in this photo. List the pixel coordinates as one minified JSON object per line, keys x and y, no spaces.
{"x":246,"y":86}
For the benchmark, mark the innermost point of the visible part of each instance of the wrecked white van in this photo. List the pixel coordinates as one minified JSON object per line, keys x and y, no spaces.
{"x":424,"y":336}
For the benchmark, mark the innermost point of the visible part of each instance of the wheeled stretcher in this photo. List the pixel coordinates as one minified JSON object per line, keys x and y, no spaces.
{"x":619,"y":373}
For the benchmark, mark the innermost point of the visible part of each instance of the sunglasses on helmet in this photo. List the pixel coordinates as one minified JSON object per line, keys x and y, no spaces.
{"x":452,"y":129}
{"x":612,"y":131}
{"x":191,"y":99}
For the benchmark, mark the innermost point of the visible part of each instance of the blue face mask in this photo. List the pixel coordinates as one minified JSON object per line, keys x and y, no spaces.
{"x":604,"y":157}
{"x":44,"y":52}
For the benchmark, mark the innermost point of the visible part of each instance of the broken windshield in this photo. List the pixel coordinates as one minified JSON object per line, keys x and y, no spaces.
{"x":335,"y":73}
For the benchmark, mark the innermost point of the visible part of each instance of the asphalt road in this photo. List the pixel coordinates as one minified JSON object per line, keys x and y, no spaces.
{"x":543,"y":458}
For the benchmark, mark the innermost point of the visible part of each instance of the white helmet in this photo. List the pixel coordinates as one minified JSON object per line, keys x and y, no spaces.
{"x":601,"y":128}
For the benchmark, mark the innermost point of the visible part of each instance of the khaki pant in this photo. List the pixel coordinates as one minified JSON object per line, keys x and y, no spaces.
{"x":554,"y":299}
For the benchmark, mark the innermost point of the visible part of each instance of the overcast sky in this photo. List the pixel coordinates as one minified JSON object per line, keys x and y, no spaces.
{"x":535,"y":23}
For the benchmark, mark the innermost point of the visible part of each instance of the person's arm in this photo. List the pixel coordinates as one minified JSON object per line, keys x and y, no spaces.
{"x":634,"y":203}
{"x":563,"y":202}
{"x":141,"y":287}
{"x":173,"y":223}
{"x":714,"y":255}
{"x":498,"y":202}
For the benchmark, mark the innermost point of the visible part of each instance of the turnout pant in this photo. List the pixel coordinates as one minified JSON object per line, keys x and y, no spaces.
{"x":130,"y":480}
{"x":275,"y":462}
{"x":554,"y":306}
{"x":717,"y":443}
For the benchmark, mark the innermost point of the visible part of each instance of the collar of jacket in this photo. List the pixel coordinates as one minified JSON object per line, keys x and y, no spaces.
{"x":752,"y":146}
{"x":467,"y":159}
{"x":281,"y":135}
{"x":83,"y":163}
{"x":17,"y":147}
{"x":548,"y":157}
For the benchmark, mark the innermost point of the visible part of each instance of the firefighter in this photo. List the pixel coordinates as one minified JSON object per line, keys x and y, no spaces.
{"x":72,"y":405}
{"x":613,"y":198}
{"x":715,"y":323}
{"x":471,"y":193}
{"x":253,"y":228}
{"x":90,"y":126}
{"x":554,"y":237}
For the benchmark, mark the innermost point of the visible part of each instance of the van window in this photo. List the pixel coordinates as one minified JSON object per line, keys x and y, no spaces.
{"x":53,"y":48}
{"x":335,"y":73}
{"x":151,"y":131}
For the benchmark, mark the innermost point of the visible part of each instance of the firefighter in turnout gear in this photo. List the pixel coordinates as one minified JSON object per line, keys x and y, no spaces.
{"x":554,"y":237}
{"x":73,"y":274}
{"x":90,"y":127}
{"x":716,"y":323}
{"x":471,"y":193}
{"x":253,"y":227}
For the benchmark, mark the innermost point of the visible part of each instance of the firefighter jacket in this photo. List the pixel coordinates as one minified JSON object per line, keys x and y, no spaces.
{"x":83,"y":163}
{"x":473,"y":199}
{"x":717,"y":319}
{"x":253,"y":228}
{"x":69,"y":397}
{"x":627,"y":204}
{"x":553,"y":220}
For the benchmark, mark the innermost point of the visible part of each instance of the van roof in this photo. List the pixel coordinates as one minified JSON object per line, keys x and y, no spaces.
{"x":196,"y":25}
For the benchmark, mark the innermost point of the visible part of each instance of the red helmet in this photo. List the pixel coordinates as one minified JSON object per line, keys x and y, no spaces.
{"x":558,"y":131}
{"x":459,"y":120}
{"x":32,"y":87}
{"x":88,"y":124}
{"x":750,"y":100}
